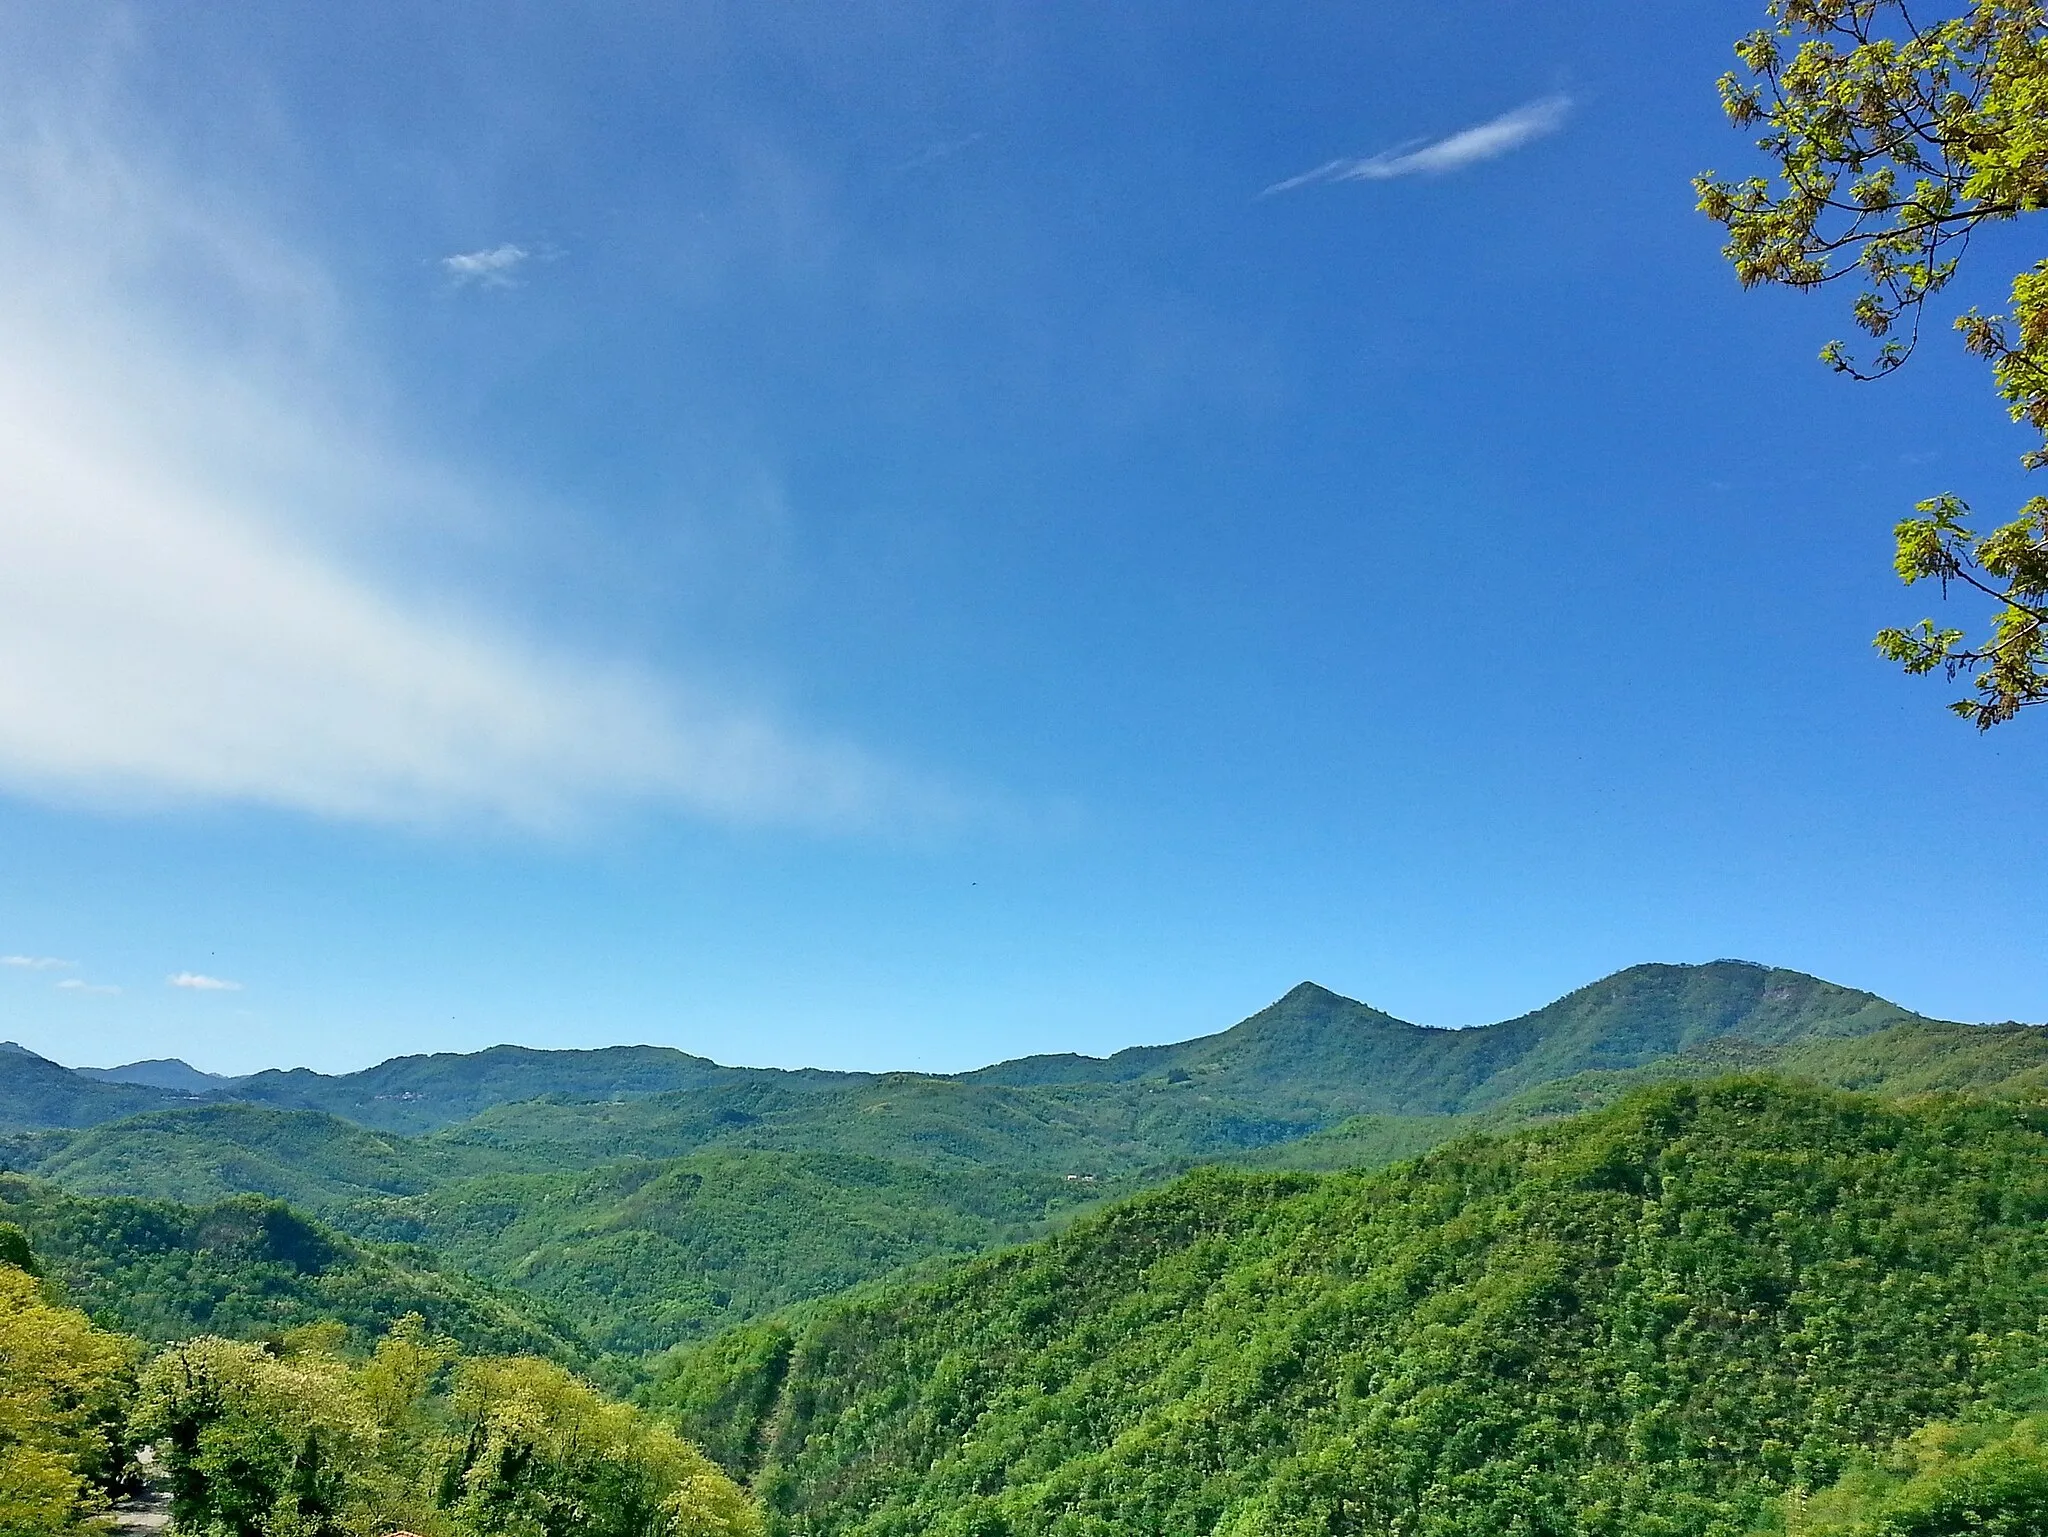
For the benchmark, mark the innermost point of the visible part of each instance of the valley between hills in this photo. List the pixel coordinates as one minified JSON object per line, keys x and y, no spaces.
{"x":1640,"y":1261}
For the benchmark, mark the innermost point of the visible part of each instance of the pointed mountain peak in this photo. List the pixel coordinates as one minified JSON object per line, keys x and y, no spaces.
{"x":1312,"y":992}
{"x":1312,"y":998}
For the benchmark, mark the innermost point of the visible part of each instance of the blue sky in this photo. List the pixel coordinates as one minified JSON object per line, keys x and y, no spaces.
{"x":901,"y":535}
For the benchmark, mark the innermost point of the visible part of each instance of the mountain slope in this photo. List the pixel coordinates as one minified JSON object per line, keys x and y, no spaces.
{"x":1306,"y":1060}
{"x":250,"y":1268}
{"x":1313,"y":1041}
{"x":644,"y":1255}
{"x":1995,"y":1061}
{"x":36,"y":1092}
{"x":1099,"y":1130}
{"x":208,"y":1153}
{"x":1651,"y":1319}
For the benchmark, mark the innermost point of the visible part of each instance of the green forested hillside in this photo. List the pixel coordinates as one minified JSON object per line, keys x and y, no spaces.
{"x":1301,"y":1065}
{"x":642,"y":1253}
{"x":251,"y":1268}
{"x":1307,"y":1060}
{"x":1651,"y":1319}
{"x":161,"y":1073}
{"x":1999,"y":1061}
{"x":792,"y":1185}
{"x":206,"y":1154}
{"x":645,"y":1254}
{"x":1101,"y":1130}
{"x":315,"y":1433}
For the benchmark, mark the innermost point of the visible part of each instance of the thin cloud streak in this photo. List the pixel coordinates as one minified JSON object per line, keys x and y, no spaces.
{"x":1469,"y":146}
{"x":200,"y":983}
{"x":73,"y":985}
{"x":37,"y":963}
{"x":492,"y":268}
{"x":937,"y":152}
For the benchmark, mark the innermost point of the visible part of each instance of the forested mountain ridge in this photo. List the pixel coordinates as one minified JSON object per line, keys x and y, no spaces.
{"x":36,"y":1092}
{"x":642,"y":1252}
{"x":417,"y":1094}
{"x":172,"y":1073}
{"x":410,"y":1095}
{"x":1313,"y":1036}
{"x":1928,"y":1056}
{"x":658,"y":1216}
{"x":1310,"y":1056}
{"x":1654,"y":1318}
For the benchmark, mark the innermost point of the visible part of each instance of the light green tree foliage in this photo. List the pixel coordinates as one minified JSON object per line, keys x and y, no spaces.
{"x":60,"y":1389}
{"x":1895,"y":135}
{"x":303,"y":1443}
{"x":257,"y":1445}
{"x":1986,"y":1480}
{"x":544,"y":1456}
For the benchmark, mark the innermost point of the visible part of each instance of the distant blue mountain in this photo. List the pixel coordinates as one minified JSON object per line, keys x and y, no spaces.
{"x":161,"y":1073}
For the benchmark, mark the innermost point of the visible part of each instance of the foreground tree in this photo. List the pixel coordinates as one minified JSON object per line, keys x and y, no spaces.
{"x":1894,"y":137}
{"x":258,"y":1446}
{"x":296,"y":1441}
{"x":61,"y":1385}
{"x":542,"y":1455}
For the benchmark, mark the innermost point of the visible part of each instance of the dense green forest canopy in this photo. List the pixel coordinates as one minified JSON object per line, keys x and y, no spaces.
{"x":1656,"y":1318}
{"x":303,"y":1442}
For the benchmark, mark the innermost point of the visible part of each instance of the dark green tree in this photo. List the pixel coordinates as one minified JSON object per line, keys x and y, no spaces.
{"x":1893,"y":136}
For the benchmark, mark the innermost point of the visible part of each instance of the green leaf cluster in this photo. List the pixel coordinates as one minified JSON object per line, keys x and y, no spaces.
{"x":1893,"y":136}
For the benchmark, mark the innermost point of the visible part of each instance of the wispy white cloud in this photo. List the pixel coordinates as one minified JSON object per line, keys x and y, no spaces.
{"x":933,"y":154}
{"x":38,"y":963}
{"x":199,"y":983}
{"x":73,"y":985}
{"x":193,"y":605}
{"x":1469,"y":146}
{"x":491,"y":268}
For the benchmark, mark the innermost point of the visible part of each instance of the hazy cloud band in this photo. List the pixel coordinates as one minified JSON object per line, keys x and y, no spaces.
{"x":186,"y":610}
